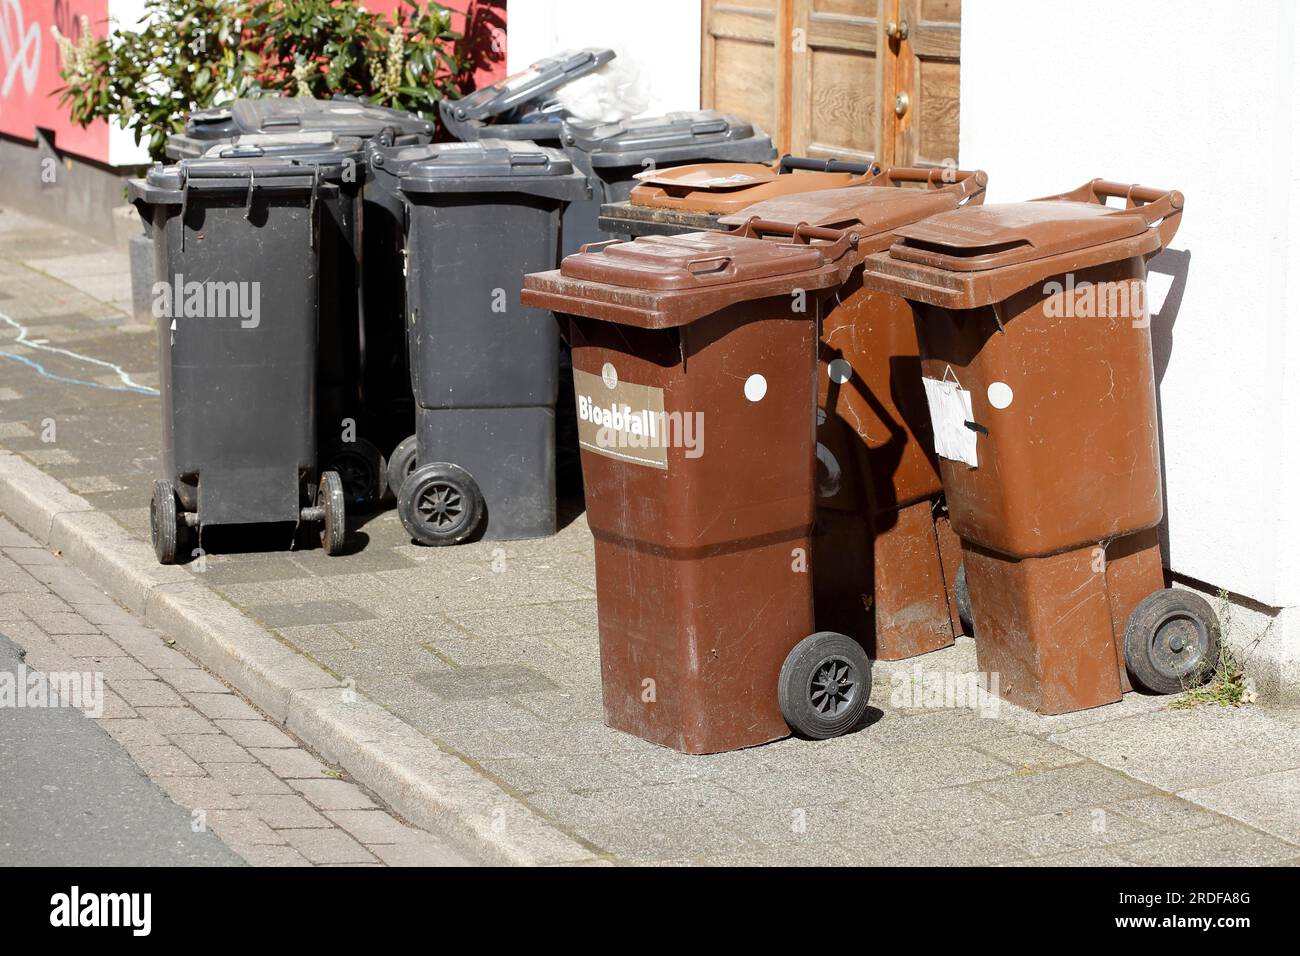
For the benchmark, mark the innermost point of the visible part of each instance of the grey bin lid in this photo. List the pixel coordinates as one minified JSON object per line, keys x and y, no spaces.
{"x":531,"y":84}
{"x":332,"y":154}
{"x":168,"y":184}
{"x":488,"y":165}
{"x":699,"y":135}
{"x":346,"y":116}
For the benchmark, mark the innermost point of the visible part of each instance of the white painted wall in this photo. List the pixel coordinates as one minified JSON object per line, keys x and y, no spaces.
{"x":665,"y":44}
{"x":122,"y":147}
{"x":1056,"y":92}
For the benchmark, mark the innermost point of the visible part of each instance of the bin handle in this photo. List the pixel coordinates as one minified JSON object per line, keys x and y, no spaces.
{"x":597,"y":246}
{"x":790,"y":163}
{"x":838,"y":241}
{"x":970,"y":183}
{"x":1163,"y":206}
{"x":718,"y":264}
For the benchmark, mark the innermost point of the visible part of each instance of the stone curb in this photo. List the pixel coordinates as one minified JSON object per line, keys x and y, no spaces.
{"x":432,"y":788}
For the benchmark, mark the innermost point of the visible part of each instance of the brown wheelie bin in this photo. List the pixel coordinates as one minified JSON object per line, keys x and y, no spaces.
{"x":693,"y":364}
{"x":1036,"y":352}
{"x":668,"y":202}
{"x":885,"y":558}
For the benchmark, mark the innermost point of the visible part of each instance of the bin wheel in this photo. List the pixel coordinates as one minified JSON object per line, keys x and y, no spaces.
{"x":824,"y":685}
{"x":331,"y":499}
{"x":961,"y":594}
{"x":400,"y":464}
{"x":164,"y":521}
{"x":361,"y":467}
{"x":1171,"y":641}
{"x":440,"y":504}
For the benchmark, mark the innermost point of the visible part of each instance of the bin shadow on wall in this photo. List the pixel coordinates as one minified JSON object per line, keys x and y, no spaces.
{"x":1174,"y":263}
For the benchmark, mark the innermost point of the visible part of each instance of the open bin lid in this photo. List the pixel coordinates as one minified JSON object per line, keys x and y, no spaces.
{"x":878,"y":208}
{"x":522,"y":88}
{"x":673,"y":137}
{"x":660,"y":282}
{"x":488,"y":165}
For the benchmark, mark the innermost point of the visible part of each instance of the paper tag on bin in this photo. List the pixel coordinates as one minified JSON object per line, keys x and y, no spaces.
{"x":950,"y":410}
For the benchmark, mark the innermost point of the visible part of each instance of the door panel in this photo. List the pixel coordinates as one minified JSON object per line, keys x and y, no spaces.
{"x":739,"y":61}
{"x":835,"y":78}
{"x":825,"y":77}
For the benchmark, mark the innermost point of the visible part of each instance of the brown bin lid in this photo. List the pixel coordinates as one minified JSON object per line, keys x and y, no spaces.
{"x":988,"y":237}
{"x":868,"y":210}
{"x":660,"y":282}
{"x":730,"y":187}
{"x":691,"y":261}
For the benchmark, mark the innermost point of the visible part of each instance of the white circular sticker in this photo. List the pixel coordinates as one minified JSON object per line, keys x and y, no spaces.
{"x":609,"y":375}
{"x":755,"y":387}
{"x":839,"y":371}
{"x":1000,"y":394}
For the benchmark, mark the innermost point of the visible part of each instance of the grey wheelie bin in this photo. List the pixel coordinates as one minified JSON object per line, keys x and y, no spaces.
{"x":611,"y":154}
{"x":239,"y":244}
{"x":483,"y":368}
{"x":520,"y":106}
{"x":387,"y":411}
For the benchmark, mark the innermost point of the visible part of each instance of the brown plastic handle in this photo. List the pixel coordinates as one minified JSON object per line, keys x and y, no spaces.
{"x":840,"y":240}
{"x":970,"y":183}
{"x":1163,"y":206}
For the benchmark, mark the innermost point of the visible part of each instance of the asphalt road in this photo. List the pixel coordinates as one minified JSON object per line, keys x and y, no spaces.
{"x":71,"y":796}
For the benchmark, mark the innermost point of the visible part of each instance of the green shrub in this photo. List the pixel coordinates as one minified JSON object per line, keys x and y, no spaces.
{"x":196,"y":53}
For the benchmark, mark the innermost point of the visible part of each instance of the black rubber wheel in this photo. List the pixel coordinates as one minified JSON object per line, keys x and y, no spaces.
{"x":824,"y":685}
{"x":961,"y":593}
{"x":331,"y":498}
{"x":164,"y":521}
{"x":361,"y":467}
{"x":440,"y":504}
{"x":400,"y":464}
{"x":1171,"y":641}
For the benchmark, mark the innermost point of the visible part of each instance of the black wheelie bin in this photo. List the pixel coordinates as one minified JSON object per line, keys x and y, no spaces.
{"x":483,"y":368}
{"x":240,"y":239}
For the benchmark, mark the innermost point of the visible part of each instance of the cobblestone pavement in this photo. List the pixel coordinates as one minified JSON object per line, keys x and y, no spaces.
{"x":259,"y":790}
{"x":490,"y":651}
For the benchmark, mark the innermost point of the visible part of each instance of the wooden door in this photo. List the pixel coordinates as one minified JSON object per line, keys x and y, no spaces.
{"x":863,"y":79}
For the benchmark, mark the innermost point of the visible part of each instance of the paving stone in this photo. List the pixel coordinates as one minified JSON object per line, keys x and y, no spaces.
{"x":292,"y":763}
{"x":177,"y":720}
{"x":115,"y":669}
{"x":202,"y":793}
{"x":333,"y":794}
{"x":29,"y":557}
{"x":1228,"y":844}
{"x":134,"y":732}
{"x":241,"y":827}
{"x":1024,"y":752}
{"x":190,"y":680}
{"x":1270,"y":802}
{"x":1064,"y":788}
{"x":1181,"y":749}
{"x":148,"y":693}
{"x":1165,"y":813}
{"x":146,"y":645}
{"x":101,"y":614}
{"x":327,"y":846}
{"x":375,"y":826}
{"x":166,"y":761}
{"x":223,"y":706}
{"x":246,"y":778}
{"x":416,"y":854}
{"x":57,"y":624}
{"x":255,"y":733}
{"x":285,"y":811}
{"x":260,"y":855}
{"x":308,"y":612}
{"x":212,"y":748}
